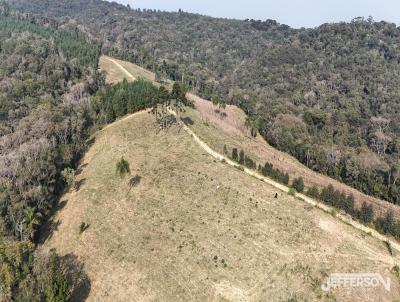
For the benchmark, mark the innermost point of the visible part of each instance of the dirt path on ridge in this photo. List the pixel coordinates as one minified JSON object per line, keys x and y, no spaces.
{"x":273,"y":183}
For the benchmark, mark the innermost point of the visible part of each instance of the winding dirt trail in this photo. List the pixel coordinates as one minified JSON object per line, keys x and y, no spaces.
{"x":126,"y":72}
{"x":346,"y":219}
{"x":310,"y":201}
{"x":285,"y":189}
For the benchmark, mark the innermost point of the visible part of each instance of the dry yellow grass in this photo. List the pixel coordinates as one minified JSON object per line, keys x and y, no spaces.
{"x":118,"y":70}
{"x":196,"y":229}
{"x":218,"y":131}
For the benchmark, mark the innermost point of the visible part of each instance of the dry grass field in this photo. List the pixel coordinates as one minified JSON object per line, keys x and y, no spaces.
{"x":118,"y":70}
{"x":195,"y":229}
{"x":218,"y":131}
{"x":116,"y":74}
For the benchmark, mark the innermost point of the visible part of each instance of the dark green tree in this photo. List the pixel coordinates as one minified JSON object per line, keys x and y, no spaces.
{"x":285,"y":179}
{"x":235,"y":154}
{"x":387,"y":223}
{"x":122,"y":167}
{"x":298,"y":184}
{"x":225,"y":150}
{"x":241,"y":157}
{"x":58,"y":290}
{"x":178,"y":98}
{"x":366,"y":213}
{"x":313,"y":192}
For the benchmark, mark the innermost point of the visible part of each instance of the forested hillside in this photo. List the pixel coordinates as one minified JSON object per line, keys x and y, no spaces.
{"x":46,"y":77}
{"x":52,"y":99}
{"x":328,"y":95}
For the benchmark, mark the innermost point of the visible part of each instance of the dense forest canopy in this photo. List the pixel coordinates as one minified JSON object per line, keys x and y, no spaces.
{"x":46,"y":78}
{"x":52,"y":99}
{"x":47,"y":75}
{"x":329,"y":96}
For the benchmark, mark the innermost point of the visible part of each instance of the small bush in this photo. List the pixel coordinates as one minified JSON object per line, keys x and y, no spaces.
{"x":58,"y":290}
{"x":389,"y":248}
{"x":235,"y":154}
{"x":276,"y":174}
{"x":249,"y":163}
{"x":337,"y":199}
{"x":396,"y":271}
{"x":313,"y":192}
{"x":83,"y":227}
{"x":292,"y":192}
{"x":385,"y":224}
{"x":298,"y":184}
{"x":123,"y":168}
{"x":366,"y":213}
{"x":68,"y":175}
{"x":285,"y":179}
{"x":241,"y":157}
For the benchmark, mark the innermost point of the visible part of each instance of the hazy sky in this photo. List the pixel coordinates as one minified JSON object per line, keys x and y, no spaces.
{"x":296,"y":13}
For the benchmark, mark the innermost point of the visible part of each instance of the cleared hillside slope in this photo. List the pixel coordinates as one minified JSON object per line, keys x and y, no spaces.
{"x":231,"y":131}
{"x":197,"y":229}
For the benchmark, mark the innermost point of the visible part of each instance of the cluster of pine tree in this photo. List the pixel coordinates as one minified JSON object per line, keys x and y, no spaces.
{"x":267,"y":170}
{"x":72,"y":44}
{"x":243,"y":159}
{"x":387,"y":224}
{"x":123,"y":98}
{"x":337,"y":199}
{"x":274,"y":173}
{"x":130,"y":97}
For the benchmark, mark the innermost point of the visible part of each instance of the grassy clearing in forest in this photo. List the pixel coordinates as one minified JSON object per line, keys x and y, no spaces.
{"x":195,"y":228}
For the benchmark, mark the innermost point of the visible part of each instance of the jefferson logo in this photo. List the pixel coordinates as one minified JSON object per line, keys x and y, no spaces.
{"x":352,"y":280}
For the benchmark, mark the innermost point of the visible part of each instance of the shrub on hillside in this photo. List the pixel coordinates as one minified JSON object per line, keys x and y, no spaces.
{"x":313,"y":192}
{"x":276,"y":174}
{"x":241,"y":157}
{"x":298,"y":184}
{"x":338,"y":199}
{"x":235,"y":154}
{"x":249,"y":163}
{"x":365,"y":213}
{"x":122,"y":167}
{"x":68,"y":175}
{"x":58,"y":290}
{"x":83,"y":227}
{"x":386,"y":224}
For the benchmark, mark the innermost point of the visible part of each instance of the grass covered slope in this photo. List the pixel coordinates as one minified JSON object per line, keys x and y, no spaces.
{"x":118,"y":70}
{"x":198,"y":229}
{"x":231,"y":131}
